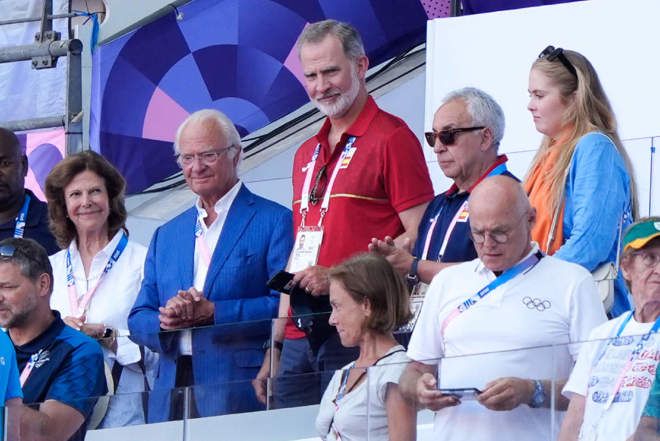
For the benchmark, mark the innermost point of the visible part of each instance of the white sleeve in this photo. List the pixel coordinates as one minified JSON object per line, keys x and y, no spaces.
{"x":578,"y":382}
{"x":327,"y":407}
{"x":388,"y":374}
{"x":426,"y":344}
{"x":586,"y":311}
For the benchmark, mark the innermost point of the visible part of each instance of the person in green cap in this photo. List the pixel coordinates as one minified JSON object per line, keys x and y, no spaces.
{"x":626,"y":349}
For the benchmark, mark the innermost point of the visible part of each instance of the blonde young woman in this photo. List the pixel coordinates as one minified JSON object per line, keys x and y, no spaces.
{"x":580,"y":181}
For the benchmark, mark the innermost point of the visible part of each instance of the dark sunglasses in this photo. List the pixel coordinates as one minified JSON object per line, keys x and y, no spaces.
{"x":552,"y":53}
{"x":447,"y":137}
{"x":7,"y":250}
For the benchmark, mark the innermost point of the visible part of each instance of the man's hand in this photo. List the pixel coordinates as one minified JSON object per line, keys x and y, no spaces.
{"x":430,"y":397}
{"x":399,"y":257}
{"x":506,"y":393}
{"x":260,"y":382}
{"x":186,"y":310}
{"x":314,"y":280}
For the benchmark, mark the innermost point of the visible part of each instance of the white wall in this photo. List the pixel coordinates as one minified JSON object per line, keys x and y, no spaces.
{"x":495,"y":51}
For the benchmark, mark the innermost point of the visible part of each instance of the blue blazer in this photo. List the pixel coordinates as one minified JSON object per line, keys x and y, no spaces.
{"x":254,"y":244}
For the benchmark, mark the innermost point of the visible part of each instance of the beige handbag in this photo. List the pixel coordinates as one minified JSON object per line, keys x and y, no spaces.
{"x":605,"y":274}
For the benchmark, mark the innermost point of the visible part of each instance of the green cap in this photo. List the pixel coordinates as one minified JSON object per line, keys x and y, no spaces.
{"x":640,"y":234}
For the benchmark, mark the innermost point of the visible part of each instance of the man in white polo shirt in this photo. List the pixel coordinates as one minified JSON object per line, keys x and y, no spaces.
{"x":502,"y":325}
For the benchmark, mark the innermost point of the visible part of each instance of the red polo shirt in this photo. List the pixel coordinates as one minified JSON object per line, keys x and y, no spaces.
{"x":386,"y":175}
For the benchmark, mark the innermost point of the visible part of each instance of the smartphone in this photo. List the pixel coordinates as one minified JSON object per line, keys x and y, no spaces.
{"x":282,"y":282}
{"x":462,"y":393}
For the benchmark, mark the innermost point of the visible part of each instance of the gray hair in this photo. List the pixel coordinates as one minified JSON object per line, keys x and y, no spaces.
{"x":348,"y":36}
{"x":30,"y":257}
{"x":483,"y":109}
{"x":224,"y":124}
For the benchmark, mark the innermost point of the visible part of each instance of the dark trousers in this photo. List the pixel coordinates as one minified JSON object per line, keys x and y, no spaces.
{"x":183,"y":384}
{"x":303,"y":376}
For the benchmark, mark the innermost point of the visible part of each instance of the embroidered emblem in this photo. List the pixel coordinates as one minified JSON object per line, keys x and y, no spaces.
{"x":535,"y":303}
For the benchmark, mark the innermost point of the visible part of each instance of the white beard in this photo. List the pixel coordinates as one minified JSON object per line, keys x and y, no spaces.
{"x":344,"y":101}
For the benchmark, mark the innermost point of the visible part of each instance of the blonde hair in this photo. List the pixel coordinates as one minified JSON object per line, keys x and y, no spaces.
{"x":589,"y":111}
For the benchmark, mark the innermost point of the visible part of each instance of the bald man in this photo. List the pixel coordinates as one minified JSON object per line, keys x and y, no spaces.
{"x":502,"y":324}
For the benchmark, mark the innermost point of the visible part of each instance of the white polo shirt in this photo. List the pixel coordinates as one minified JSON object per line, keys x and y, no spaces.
{"x":541,"y":310}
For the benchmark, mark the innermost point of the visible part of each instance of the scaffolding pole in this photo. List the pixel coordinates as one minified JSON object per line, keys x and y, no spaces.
{"x":44,"y":53}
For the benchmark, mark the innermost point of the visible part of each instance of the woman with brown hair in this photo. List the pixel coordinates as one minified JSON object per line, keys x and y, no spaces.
{"x":581,"y":180}
{"x":97,"y":274}
{"x":369,"y":301}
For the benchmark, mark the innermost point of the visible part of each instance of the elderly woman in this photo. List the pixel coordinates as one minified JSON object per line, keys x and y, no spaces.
{"x":98,"y":273}
{"x":614,"y":372}
{"x":369,"y":300}
{"x":580,"y":181}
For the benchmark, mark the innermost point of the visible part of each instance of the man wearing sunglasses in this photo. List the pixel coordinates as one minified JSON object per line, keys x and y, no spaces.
{"x":467,"y":130}
{"x":22,"y":214}
{"x":362,"y":175}
{"x":61,"y":370}
{"x":206,"y":272}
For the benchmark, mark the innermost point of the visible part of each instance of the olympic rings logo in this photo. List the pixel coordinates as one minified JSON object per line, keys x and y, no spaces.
{"x":538,"y":304}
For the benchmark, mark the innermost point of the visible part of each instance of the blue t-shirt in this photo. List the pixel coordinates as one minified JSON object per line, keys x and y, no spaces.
{"x":36,"y":225}
{"x":445,"y":207}
{"x":10,"y":387}
{"x":68,"y":368}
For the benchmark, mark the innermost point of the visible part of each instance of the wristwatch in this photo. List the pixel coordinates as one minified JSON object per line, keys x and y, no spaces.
{"x":539,"y":395}
{"x":276,"y":344}
{"x":412,"y":277}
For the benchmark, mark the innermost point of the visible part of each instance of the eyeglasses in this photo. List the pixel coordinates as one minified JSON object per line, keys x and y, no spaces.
{"x":649,"y":260}
{"x":448,"y":137}
{"x":552,"y":53}
{"x":499,"y":236}
{"x":207,"y":158}
{"x":8,"y":252}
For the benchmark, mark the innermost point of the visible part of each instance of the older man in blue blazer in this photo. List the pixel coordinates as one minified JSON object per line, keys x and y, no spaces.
{"x":204,"y":305}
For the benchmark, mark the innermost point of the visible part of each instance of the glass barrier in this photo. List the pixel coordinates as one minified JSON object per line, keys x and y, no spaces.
{"x":493,"y":395}
{"x":228,"y":390}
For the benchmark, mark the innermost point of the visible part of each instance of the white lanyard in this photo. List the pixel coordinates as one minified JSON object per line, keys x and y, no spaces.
{"x":304,"y":202}
{"x":78,"y":309}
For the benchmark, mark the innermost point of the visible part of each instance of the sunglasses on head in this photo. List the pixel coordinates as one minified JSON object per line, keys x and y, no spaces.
{"x":447,"y":137}
{"x":552,"y":53}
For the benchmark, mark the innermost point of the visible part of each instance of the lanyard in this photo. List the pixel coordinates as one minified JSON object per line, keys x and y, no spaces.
{"x":41,"y":356}
{"x":79,"y":308}
{"x":500,"y":169}
{"x":309,"y":169}
{"x":341,"y":392}
{"x":201,"y":245}
{"x":520,"y":268}
{"x":633,"y":355}
{"x":21,"y":219}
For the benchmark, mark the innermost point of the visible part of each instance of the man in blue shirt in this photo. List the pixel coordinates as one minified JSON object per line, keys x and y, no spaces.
{"x":468,"y":127}
{"x":61,"y":369}
{"x":10,"y":388}
{"x":22,"y":214}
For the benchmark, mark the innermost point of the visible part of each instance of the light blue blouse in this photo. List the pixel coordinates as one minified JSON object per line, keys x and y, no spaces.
{"x":598,"y":199}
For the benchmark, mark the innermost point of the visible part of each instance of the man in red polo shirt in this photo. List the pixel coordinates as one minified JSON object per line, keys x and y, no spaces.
{"x":362,"y":176}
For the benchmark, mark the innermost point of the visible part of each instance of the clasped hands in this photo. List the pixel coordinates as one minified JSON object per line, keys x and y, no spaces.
{"x":186,"y":309}
{"x":502,"y":394}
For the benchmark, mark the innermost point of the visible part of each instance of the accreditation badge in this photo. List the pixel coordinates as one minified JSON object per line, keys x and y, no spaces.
{"x":416,"y":300}
{"x":306,"y":248}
